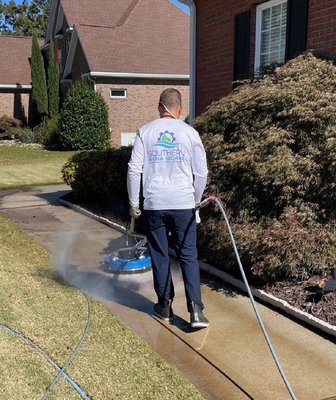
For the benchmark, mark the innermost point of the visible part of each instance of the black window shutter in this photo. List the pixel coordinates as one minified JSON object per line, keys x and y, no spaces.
{"x":241,"y":45}
{"x":297,"y":21}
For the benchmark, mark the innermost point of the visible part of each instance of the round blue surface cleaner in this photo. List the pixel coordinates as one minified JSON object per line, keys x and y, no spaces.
{"x":128,"y":260}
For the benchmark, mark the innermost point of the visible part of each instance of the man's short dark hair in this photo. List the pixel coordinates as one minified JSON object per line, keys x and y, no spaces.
{"x":171,"y":98}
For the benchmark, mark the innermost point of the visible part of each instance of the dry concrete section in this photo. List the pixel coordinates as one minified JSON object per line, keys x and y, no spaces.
{"x":228,"y":361}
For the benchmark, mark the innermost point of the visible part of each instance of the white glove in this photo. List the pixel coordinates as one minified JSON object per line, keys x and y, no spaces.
{"x":135,"y":212}
{"x":198,"y":218}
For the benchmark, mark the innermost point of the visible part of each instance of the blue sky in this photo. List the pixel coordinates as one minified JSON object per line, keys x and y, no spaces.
{"x":182,"y":6}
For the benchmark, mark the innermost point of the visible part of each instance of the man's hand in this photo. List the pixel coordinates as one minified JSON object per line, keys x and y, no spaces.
{"x":135,"y":212}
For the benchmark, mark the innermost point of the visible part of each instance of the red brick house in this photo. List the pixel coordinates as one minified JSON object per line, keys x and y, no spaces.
{"x":233,"y":39}
{"x":15,"y":78}
{"x":129,"y":50}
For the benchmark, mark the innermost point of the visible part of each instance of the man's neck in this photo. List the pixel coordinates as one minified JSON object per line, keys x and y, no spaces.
{"x":166,"y":115}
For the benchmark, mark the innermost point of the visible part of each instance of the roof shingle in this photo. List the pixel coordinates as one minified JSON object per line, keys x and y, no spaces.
{"x":132,"y":36}
{"x":97,"y":12}
{"x":14,"y":62}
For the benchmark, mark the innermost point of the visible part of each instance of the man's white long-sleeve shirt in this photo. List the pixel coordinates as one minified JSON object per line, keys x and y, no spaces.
{"x":171,"y":158}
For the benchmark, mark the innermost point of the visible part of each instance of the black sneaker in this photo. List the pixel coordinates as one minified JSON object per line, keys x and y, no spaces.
{"x":164,"y":310}
{"x":197,"y":318}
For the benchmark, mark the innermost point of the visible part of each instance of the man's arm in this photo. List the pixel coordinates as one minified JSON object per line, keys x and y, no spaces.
{"x":200,"y":170}
{"x":135,"y":167}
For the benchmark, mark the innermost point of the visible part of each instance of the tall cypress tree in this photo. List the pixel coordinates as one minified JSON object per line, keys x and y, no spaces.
{"x":38,"y":77}
{"x":53,"y":83}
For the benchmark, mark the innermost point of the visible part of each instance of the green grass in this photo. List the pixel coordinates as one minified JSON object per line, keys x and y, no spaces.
{"x":21,"y":166}
{"x":114,"y":363}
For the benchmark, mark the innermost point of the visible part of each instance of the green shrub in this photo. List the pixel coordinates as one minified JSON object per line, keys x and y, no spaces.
{"x":99,"y":175}
{"x":271,"y":147}
{"x":47,"y":133}
{"x":26,"y":135}
{"x":84,"y":119}
{"x":9,"y":127}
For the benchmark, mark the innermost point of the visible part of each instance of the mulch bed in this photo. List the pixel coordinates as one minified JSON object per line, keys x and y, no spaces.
{"x":305,"y":295}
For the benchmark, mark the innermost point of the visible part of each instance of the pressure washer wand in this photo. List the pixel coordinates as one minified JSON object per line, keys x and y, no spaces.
{"x":140,"y":240}
{"x":216,"y":200}
{"x":130,"y":230}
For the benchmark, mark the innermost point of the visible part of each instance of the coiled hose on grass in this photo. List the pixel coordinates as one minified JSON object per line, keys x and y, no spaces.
{"x":61,"y":371}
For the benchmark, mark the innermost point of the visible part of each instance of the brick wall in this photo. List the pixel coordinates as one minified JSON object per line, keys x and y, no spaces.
{"x":140,"y":106}
{"x":6,"y":104}
{"x":322,"y":26}
{"x":15,"y":105}
{"x":215,"y":42}
{"x":215,"y":47}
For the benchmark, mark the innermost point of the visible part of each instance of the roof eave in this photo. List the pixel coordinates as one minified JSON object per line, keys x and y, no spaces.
{"x":139,"y":75}
{"x":14,"y":86}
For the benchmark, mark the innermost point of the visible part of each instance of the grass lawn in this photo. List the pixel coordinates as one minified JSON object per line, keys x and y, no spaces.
{"x":114,"y":363}
{"x":24,"y":166}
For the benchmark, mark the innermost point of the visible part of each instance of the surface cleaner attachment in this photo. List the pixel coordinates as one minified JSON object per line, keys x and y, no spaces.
{"x":129,"y":260}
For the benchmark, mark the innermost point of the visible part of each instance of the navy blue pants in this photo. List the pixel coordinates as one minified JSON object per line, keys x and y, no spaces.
{"x":182,"y":225}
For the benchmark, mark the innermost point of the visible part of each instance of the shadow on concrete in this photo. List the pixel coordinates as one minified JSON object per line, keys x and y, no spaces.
{"x":53,"y":197}
{"x":218,"y":285}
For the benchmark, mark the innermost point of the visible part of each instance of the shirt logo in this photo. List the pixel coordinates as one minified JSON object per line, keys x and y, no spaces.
{"x":170,"y":151}
{"x":167,"y":140}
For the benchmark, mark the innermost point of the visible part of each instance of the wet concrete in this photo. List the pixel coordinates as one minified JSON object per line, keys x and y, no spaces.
{"x":228,"y":361}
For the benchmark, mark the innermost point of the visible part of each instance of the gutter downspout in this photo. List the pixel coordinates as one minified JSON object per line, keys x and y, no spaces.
{"x":192,"y":60}
{"x":92,"y":80}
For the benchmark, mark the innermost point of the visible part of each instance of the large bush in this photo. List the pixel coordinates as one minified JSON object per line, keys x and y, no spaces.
{"x":99,"y":175}
{"x":271,"y":148}
{"x":46,"y":133}
{"x":9,"y":127}
{"x":84,"y":119}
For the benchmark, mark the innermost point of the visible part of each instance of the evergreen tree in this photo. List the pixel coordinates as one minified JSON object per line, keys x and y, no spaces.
{"x":23,"y":18}
{"x":38,"y":77}
{"x":53,"y":82}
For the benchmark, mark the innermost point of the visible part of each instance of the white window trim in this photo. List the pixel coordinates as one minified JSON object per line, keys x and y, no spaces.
{"x":260,"y":8}
{"x":118,"y":97}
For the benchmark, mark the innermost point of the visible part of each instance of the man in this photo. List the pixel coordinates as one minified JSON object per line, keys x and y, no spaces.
{"x":170,"y":156}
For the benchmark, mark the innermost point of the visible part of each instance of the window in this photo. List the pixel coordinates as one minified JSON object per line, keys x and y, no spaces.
{"x":118,"y":93}
{"x":128,"y":138}
{"x":271,"y":27}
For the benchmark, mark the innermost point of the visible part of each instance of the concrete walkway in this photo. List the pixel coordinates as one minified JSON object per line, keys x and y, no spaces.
{"x":228,"y":361}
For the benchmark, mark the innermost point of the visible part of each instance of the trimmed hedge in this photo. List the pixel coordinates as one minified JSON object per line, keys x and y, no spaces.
{"x":99,"y":175}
